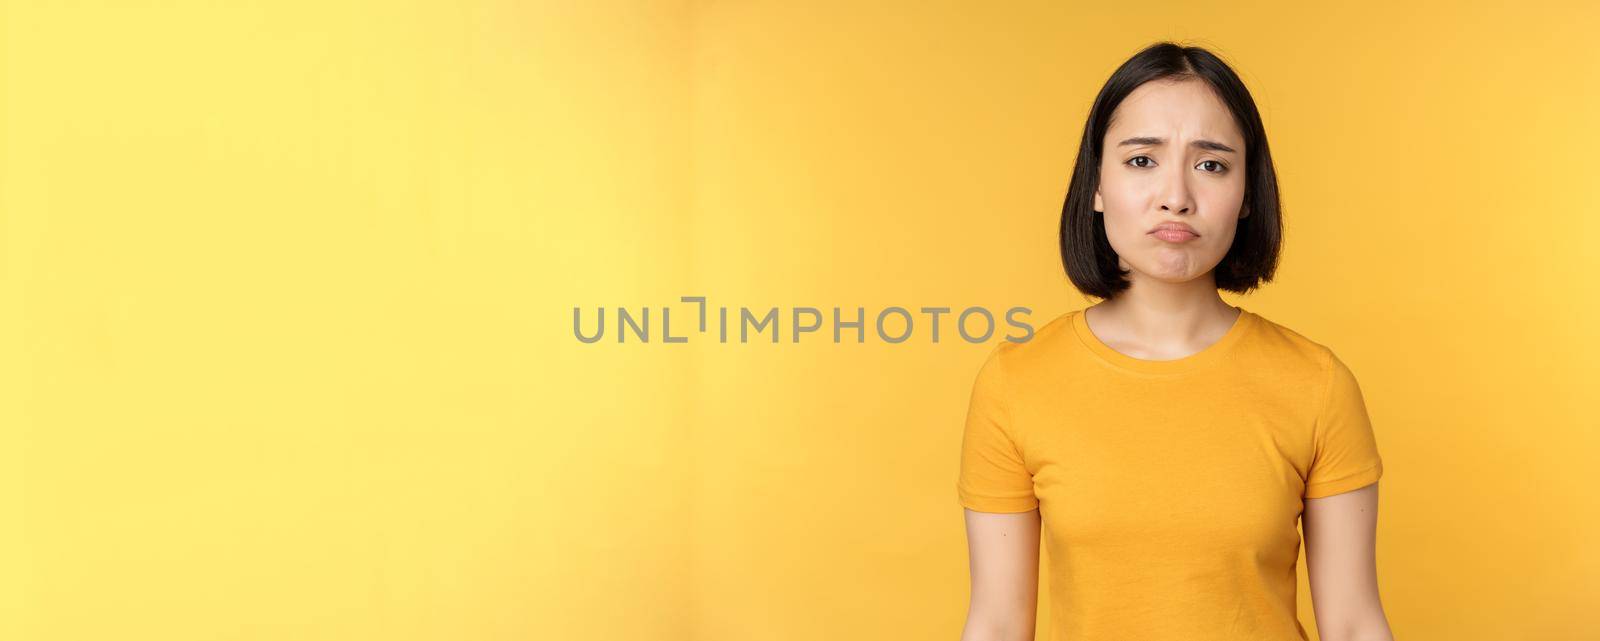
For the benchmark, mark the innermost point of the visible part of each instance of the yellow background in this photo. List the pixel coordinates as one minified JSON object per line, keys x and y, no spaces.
{"x":286,"y":293}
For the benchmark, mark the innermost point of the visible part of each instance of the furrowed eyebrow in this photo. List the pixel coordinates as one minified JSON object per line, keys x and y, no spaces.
{"x":1202,"y":144}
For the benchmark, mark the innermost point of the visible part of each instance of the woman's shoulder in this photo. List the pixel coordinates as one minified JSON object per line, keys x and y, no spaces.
{"x":1041,"y":345}
{"x":1285,"y":343}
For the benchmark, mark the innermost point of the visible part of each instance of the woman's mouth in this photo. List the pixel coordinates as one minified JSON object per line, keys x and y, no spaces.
{"x":1174,"y":231}
{"x":1174,"y":235}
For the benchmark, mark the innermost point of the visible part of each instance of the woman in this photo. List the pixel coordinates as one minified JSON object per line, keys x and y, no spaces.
{"x":1165,"y":442}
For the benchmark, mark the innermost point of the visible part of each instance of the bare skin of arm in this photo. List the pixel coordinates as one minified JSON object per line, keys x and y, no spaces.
{"x":1003,"y":553}
{"x":1341,"y":564}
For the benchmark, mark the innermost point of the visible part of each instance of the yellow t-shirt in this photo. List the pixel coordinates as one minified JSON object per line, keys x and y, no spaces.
{"x":1168,"y":491}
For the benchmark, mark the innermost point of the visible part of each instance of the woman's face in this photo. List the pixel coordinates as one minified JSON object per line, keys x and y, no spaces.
{"x":1171,"y":154}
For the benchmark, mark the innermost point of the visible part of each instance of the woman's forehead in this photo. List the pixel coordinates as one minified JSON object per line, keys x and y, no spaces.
{"x":1185,"y":109}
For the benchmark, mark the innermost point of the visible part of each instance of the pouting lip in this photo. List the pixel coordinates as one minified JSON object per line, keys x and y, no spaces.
{"x":1172,"y":224}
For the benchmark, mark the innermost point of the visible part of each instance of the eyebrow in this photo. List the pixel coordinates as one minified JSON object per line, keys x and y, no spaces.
{"x":1202,"y":144}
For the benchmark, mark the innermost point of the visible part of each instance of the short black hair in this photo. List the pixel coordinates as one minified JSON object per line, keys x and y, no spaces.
{"x":1090,"y":261}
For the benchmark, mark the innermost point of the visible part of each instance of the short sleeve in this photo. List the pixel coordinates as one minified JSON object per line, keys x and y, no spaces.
{"x":1346,"y":451}
{"x":993,"y":475}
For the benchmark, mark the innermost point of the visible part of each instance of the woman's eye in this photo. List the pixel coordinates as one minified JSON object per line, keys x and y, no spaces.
{"x":1132,"y":161}
{"x":1220,"y":167}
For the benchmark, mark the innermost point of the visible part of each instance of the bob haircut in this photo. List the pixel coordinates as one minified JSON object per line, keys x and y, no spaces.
{"x":1090,"y":262}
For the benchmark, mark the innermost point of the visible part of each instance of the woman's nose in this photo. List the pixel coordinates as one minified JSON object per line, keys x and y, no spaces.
{"x":1175,"y":197}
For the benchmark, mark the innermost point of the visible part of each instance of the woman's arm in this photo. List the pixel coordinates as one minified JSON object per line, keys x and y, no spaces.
{"x":1341,"y":563}
{"x":1003,"y":551}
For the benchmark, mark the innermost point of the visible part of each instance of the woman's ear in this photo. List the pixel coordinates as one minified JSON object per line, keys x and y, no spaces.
{"x":1099,"y":206}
